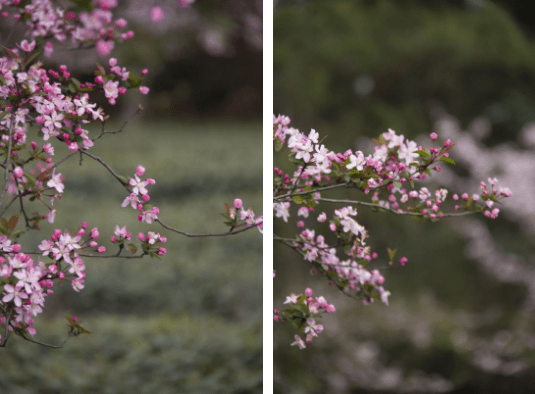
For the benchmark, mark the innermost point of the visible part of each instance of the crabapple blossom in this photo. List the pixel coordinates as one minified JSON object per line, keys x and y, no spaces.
{"x":385,"y":175}
{"x":52,"y":106}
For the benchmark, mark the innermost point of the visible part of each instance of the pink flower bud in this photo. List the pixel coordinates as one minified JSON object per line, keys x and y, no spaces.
{"x":112,"y":62}
{"x":62,"y":275}
{"x":101,"y":249}
{"x":151,"y":181}
{"x":238,"y":203}
{"x":141,"y":237}
{"x":403,"y":260}
{"x":81,"y":232}
{"x":99,"y":79}
{"x":33,"y":144}
{"x":156,"y":14}
{"x":57,"y":233}
{"x":163,"y":239}
{"x":447,"y":143}
{"x":156,"y":210}
{"x":275,"y":318}
{"x":144,"y":90}
{"x":94,"y":233}
{"x":16,"y":247}
{"x":18,"y":172}
{"x":330,"y":308}
{"x":93,"y":244}
{"x":84,"y":224}
{"x":145,"y":197}
{"x":308,"y":292}
{"x":113,"y":239}
{"x":140,"y":170}
{"x":144,"y":72}
{"x":162,"y":251}
{"x":433,"y":136}
{"x":139,"y":207}
{"x":120,"y":23}
{"x":74,"y":318}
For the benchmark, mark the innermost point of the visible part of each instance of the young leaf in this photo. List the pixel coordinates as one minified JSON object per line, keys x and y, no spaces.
{"x":447,"y":160}
{"x":12,"y":223}
{"x":391,"y":253}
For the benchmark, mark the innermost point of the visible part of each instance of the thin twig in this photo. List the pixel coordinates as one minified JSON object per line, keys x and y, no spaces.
{"x":285,"y":196}
{"x":105,"y":165}
{"x":8,"y":157}
{"x":205,"y":235}
{"x":120,"y":129}
{"x":389,"y":209}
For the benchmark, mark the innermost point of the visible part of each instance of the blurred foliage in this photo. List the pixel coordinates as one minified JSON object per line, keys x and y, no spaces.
{"x":356,"y":66}
{"x":189,"y":323}
{"x":351,"y":69}
{"x":204,"y":61}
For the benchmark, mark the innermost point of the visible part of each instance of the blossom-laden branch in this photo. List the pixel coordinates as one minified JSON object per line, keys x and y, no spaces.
{"x":386,"y":174}
{"x":56,"y":107}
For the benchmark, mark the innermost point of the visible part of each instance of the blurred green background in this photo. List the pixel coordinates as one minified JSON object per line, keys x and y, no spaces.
{"x":189,"y":323}
{"x":192,"y":322}
{"x":456,"y":323}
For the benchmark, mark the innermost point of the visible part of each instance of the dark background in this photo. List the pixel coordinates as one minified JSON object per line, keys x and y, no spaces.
{"x":460,"y":318}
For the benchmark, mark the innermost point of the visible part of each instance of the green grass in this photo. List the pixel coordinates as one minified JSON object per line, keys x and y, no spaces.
{"x":190,"y":322}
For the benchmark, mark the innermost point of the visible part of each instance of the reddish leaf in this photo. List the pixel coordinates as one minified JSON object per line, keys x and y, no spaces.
{"x":12,"y":223}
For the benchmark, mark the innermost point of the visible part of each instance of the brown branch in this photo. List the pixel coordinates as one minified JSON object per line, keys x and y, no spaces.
{"x":205,"y":235}
{"x":120,"y":129}
{"x":285,"y":196}
{"x":390,"y":209}
{"x":105,"y":165}
{"x":8,"y":157}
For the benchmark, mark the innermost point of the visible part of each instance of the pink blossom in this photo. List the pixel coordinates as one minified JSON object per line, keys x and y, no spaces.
{"x":156,"y":14}
{"x":104,"y":47}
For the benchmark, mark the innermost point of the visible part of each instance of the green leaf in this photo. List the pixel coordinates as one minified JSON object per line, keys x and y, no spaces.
{"x":422,"y":153}
{"x":278,"y":145}
{"x":298,"y":199}
{"x":134,"y":81}
{"x":72,"y":87}
{"x":397,"y":184}
{"x":31,"y":58}
{"x":124,"y":179}
{"x":447,"y":160}
{"x":310,"y":203}
{"x":16,"y":234}
{"x":11,"y":53}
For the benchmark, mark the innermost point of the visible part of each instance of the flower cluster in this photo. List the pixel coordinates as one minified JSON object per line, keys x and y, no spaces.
{"x":27,"y":282}
{"x":237,"y":216}
{"x":302,"y":311}
{"x":95,"y":26}
{"x":51,"y":106}
{"x":395,"y":164}
{"x":138,"y":188}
